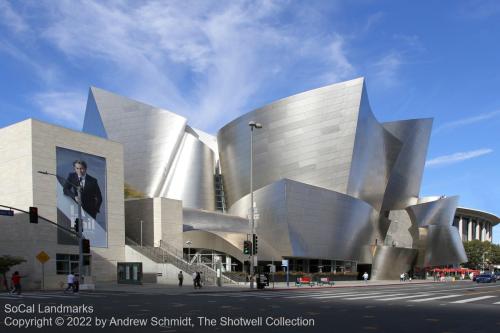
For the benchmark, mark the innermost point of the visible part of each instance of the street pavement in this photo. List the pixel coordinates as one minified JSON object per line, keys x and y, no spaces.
{"x":392,"y":307}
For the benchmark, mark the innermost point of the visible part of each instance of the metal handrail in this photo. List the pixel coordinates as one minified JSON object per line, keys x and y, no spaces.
{"x":163,"y":254}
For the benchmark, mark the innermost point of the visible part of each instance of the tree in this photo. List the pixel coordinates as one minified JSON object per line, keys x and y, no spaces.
{"x":6,"y":263}
{"x":131,"y":192}
{"x":481,"y":253}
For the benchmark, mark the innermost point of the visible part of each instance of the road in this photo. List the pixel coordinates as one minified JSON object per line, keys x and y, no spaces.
{"x":434,"y":307}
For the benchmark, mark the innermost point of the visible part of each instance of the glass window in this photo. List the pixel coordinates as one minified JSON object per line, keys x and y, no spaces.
{"x":70,"y":262}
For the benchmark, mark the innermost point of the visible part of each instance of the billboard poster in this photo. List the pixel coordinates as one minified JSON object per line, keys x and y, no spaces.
{"x":88,"y":171}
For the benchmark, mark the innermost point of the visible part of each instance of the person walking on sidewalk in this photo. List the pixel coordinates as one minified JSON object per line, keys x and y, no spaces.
{"x":70,"y":280}
{"x":16,"y":282}
{"x":194,"y":279}
{"x":198,"y":279}
{"x":365,"y":277}
{"x":181,"y":278}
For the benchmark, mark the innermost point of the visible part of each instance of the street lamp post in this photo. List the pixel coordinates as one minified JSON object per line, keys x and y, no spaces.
{"x":80,"y":222}
{"x":188,"y":243}
{"x":141,"y":233}
{"x":252,"y":125}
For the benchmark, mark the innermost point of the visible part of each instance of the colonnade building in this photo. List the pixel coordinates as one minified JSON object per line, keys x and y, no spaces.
{"x":335,"y":190}
{"x":473,"y":224}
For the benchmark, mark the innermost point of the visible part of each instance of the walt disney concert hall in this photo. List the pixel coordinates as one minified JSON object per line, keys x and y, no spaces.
{"x":331,"y":184}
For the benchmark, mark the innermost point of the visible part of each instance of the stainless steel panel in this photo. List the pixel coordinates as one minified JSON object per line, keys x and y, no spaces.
{"x":191,"y":175}
{"x":162,"y":156}
{"x":406,"y":176}
{"x":443,"y":246}
{"x":389,"y":262}
{"x":438,"y":212}
{"x":375,"y":153}
{"x":300,"y":220}
{"x":294,"y":127}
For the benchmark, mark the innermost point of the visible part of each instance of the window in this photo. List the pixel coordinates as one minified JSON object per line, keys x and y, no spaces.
{"x":69,"y":262}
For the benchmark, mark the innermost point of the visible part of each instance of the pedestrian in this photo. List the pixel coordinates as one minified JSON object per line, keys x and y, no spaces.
{"x":16,"y":282}
{"x":70,"y":279}
{"x":402,"y":277}
{"x":198,"y":279}
{"x":181,"y":278}
{"x":76,"y":283}
{"x":365,"y":277}
{"x":194,"y":275}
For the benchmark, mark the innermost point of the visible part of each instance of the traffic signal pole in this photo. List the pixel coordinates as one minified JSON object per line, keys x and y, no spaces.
{"x":80,"y":221}
{"x":80,"y":234}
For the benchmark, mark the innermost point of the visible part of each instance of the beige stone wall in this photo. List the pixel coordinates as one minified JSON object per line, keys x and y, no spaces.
{"x":161,"y":220}
{"x":137,"y":210}
{"x":28,"y":147}
{"x":171,"y":220}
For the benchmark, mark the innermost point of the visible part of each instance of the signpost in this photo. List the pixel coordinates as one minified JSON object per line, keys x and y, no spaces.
{"x":284,"y":263}
{"x":43,"y":257}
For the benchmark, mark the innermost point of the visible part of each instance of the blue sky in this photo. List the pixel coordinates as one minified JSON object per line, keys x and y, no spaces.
{"x":214,"y":60}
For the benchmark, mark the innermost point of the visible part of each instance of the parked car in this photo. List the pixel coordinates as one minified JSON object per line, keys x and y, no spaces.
{"x":486,"y":278}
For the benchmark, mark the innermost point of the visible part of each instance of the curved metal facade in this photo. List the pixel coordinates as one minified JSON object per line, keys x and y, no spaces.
{"x":163,"y":156}
{"x":330,"y":181}
{"x":403,"y":187}
{"x":389,"y":262}
{"x":307,"y":137}
{"x":301,"y":220}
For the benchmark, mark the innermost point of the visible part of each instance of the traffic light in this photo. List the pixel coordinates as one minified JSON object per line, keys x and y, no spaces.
{"x":33,"y":215}
{"x":85,"y":246}
{"x":247,"y":245}
{"x":77,"y":225}
{"x":255,"y":245}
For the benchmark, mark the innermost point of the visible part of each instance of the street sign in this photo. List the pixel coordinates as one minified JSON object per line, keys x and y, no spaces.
{"x":6,"y":212}
{"x":42,"y":257}
{"x":284,"y":263}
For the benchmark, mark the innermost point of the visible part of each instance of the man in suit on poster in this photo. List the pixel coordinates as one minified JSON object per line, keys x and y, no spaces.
{"x":91,"y":193}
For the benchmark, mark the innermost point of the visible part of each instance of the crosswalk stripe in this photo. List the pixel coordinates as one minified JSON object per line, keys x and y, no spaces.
{"x":367,"y":297}
{"x":472,"y":299}
{"x":8,"y":297}
{"x":317,"y":295}
{"x":497,"y":303}
{"x":434,"y":298}
{"x":339,"y":296}
{"x":402,"y":297}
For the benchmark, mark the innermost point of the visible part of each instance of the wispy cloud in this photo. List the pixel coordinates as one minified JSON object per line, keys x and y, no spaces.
{"x":467,"y":121}
{"x":387,"y":68}
{"x":65,"y":108}
{"x":204,"y":60}
{"x":11,"y":19}
{"x":457,"y":157}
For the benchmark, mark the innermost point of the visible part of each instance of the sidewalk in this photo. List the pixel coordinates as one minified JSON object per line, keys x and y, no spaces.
{"x":154,"y":288}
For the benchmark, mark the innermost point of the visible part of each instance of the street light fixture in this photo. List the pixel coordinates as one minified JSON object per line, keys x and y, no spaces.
{"x":80,"y":222}
{"x":252,"y":125}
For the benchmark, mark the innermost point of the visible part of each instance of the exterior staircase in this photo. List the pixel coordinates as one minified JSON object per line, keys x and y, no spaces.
{"x":170,"y":255}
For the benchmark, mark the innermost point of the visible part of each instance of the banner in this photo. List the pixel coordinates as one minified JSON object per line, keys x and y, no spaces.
{"x":75,"y":169}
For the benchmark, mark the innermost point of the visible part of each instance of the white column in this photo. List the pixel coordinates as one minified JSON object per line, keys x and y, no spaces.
{"x":478,"y":230}
{"x":460,"y":223}
{"x":469,"y":230}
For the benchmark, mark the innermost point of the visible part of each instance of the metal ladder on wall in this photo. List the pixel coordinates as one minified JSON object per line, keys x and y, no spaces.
{"x":167,"y":254}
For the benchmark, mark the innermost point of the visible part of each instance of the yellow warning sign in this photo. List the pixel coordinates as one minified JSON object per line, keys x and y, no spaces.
{"x":42,"y":257}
